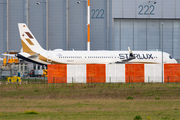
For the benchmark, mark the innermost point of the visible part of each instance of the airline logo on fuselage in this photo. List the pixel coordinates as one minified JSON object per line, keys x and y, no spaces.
{"x":59,"y":55}
{"x":137,"y":56}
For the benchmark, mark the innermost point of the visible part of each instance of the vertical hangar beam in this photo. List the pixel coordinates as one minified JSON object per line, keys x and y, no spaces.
{"x":7,"y":25}
{"x":107,"y":25}
{"x":27,"y":12}
{"x":67,"y":24}
{"x":47,"y":27}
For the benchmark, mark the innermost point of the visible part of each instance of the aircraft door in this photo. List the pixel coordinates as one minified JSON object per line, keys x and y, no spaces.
{"x":113,"y":58}
{"x":165,"y":58}
{"x":49,"y":57}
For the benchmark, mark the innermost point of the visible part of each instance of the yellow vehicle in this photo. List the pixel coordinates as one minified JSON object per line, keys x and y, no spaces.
{"x":45,"y":73}
{"x":14,"y":79}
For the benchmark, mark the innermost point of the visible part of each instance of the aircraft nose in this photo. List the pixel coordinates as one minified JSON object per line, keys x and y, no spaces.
{"x":17,"y":55}
{"x":173,"y":61}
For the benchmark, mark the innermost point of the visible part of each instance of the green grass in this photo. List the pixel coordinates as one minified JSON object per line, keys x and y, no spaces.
{"x":86,"y":91}
{"x":30,"y":112}
{"x":93,"y":109}
{"x":90,"y":101}
{"x":129,"y":98}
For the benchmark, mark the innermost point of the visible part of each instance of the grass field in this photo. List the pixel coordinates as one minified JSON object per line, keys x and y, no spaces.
{"x":90,"y":101}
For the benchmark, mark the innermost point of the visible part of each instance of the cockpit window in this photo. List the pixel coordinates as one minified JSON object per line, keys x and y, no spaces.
{"x":170,"y":57}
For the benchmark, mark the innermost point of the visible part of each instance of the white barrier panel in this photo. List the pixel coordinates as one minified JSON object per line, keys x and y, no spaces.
{"x":110,"y":73}
{"x":115,"y":73}
{"x":76,"y":73}
{"x":71,"y":73}
{"x":120,"y":73}
{"x":80,"y":74}
{"x":153,"y":73}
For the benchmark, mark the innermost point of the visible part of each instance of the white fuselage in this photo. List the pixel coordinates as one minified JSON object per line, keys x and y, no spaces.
{"x":100,"y":57}
{"x":33,"y":52}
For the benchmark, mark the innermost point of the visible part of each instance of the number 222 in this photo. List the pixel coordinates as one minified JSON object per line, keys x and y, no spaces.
{"x":99,"y":14}
{"x":147,"y":9}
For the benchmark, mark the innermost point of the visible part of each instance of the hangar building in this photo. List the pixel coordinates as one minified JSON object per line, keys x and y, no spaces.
{"x":115,"y":24}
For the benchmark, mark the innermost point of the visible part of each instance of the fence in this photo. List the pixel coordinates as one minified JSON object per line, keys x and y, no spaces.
{"x":113,"y":73}
{"x":129,"y":79}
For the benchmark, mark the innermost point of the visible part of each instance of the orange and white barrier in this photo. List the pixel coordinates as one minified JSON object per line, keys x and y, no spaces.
{"x":113,"y":73}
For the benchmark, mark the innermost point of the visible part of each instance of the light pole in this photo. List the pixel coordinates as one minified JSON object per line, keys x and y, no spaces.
{"x":88,"y":23}
{"x":162,"y":53}
{"x":47,"y":27}
{"x":154,"y":2}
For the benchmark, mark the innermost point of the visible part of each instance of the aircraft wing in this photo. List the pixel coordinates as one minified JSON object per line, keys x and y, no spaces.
{"x":34,"y":56}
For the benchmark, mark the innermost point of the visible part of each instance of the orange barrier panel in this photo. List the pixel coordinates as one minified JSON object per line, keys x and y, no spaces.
{"x":57,"y":73}
{"x":95,"y":73}
{"x":134,"y":73}
{"x":171,"y":72}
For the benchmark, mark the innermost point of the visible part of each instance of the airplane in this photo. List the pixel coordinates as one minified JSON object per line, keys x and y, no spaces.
{"x":33,"y":52}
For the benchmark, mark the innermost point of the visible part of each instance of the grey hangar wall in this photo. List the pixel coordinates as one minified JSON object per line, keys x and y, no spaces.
{"x":115,"y":24}
{"x":146,"y":24}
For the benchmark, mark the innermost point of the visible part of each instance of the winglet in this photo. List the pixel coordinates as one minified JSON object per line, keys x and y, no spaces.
{"x":131,"y":55}
{"x":129,"y":50}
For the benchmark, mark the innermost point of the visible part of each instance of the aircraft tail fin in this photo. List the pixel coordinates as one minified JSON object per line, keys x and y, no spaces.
{"x":29,"y":42}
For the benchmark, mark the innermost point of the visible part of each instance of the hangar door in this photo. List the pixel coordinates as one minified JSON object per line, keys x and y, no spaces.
{"x":143,"y":34}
